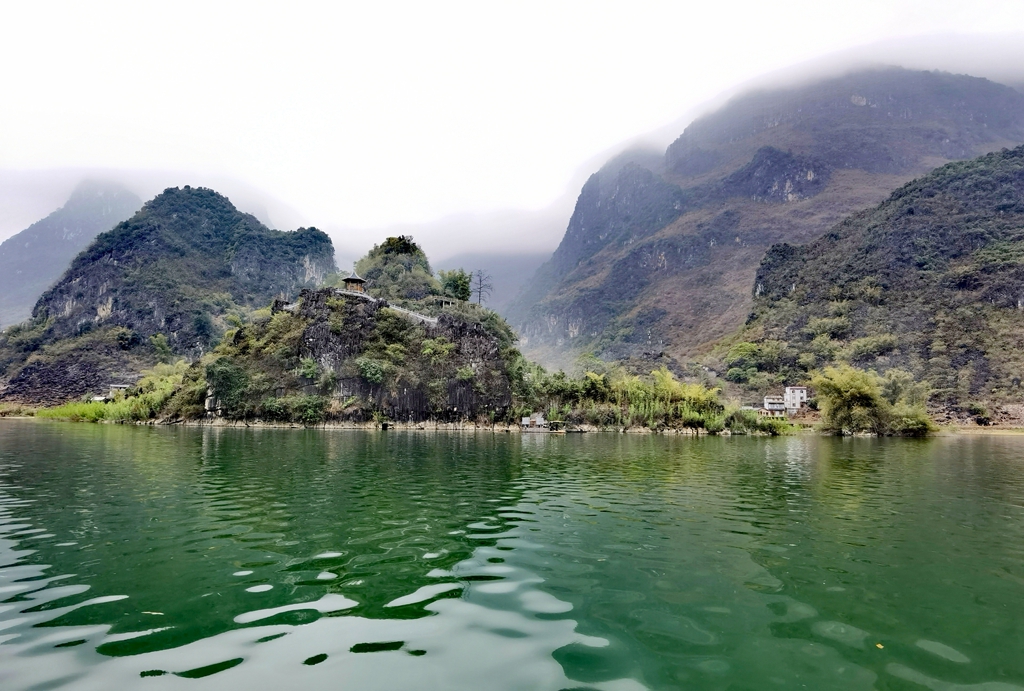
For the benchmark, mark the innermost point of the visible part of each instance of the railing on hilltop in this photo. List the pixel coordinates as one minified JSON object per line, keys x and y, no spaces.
{"x":415,"y":316}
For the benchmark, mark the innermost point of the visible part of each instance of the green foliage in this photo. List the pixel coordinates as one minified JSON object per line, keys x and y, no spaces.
{"x":853,"y":400}
{"x":833,"y":327}
{"x":745,"y":421}
{"x":309,"y":410}
{"x":162,"y":348}
{"x":142,"y":402}
{"x":437,"y":349}
{"x":309,"y":368}
{"x":617,"y":398}
{"x":186,"y":264}
{"x":373,"y":371}
{"x":745,"y":360}
{"x":926,"y":282}
{"x":398,"y":270}
{"x":455,"y":283}
{"x":76,"y":411}
{"x":229,"y":383}
{"x":872,"y":346}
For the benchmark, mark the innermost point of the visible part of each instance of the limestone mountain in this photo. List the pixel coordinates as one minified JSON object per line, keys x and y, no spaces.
{"x":32,"y":260}
{"x":661,"y":250}
{"x":167,"y":281}
{"x":931,"y":281}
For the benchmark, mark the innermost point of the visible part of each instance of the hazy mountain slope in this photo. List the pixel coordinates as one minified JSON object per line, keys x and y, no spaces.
{"x":509,"y":273}
{"x":180,"y":267}
{"x":931,"y":281}
{"x":659,"y":255}
{"x":32,"y":260}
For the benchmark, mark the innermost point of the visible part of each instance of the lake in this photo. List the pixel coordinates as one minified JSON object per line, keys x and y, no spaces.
{"x":159,"y":557}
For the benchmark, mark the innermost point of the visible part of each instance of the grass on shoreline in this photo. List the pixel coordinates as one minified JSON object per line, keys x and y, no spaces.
{"x":143,"y":402}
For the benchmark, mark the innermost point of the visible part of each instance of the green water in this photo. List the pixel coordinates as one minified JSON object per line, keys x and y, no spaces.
{"x":156,"y":558}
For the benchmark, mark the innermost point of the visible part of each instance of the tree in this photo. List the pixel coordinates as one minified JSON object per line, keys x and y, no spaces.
{"x":482,"y":285}
{"x":854,"y":400}
{"x":456,"y":283}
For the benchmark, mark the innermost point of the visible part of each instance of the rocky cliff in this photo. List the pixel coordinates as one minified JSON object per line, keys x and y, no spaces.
{"x":660,"y":253}
{"x":166,"y":282}
{"x":347,"y":356}
{"x":931,"y":281}
{"x":32,"y":260}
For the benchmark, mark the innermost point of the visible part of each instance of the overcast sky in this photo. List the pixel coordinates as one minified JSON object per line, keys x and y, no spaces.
{"x":370,"y":114}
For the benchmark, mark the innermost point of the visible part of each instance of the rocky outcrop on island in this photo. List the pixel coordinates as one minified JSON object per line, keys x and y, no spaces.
{"x":343,"y":355}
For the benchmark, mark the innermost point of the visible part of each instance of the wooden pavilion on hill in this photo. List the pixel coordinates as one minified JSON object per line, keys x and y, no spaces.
{"x":354,"y":283}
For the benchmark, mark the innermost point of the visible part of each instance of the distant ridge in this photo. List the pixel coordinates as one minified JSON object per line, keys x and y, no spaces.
{"x":658,"y":258}
{"x":32,"y":260}
{"x":181,"y":269}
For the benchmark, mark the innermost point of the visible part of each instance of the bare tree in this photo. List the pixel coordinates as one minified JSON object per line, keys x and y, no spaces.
{"x":482,"y":285}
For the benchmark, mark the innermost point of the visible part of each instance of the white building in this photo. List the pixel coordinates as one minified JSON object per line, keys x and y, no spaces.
{"x":795,"y":399}
{"x":774,"y":406}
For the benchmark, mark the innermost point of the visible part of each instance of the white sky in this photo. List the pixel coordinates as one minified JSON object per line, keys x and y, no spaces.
{"x":369,"y":114}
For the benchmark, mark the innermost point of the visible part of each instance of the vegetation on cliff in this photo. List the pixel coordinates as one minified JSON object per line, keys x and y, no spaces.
{"x":335,"y":357}
{"x":929,"y":282}
{"x":167,"y":282}
{"x":773,"y":166}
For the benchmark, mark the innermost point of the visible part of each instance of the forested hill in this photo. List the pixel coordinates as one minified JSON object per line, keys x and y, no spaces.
{"x":32,"y":260}
{"x":167,"y":281}
{"x":661,"y":251}
{"x":930,"y":281}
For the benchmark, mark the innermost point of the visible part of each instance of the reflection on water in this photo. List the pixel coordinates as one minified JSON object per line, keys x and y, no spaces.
{"x":283,"y":558}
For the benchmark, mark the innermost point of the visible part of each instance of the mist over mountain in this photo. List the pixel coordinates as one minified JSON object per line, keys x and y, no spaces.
{"x":509,"y":273}
{"x":36,"y":257}
{"x":660,"y":253}
{"x":166,"y":282}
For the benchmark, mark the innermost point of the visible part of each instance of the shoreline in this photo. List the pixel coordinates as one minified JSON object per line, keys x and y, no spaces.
{"x":466,"y":426}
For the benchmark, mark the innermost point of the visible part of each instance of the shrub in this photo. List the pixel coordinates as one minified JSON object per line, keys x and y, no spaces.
{"x":437,"y":349}
{"x":872,"y":346}
{"x":371,"y":370}
{"x":162,"y":348}
{"x":309,"y":410}
{"x":309,"y":368}
{"x":745,"y":421}
{"x":455,"y":283}
{"x":229,"y":384}
{"x":853,"y":400}
{"x":80,"y":411}
{"x":835,"y":327}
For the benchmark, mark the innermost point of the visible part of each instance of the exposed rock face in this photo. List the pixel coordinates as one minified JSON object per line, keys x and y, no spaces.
{"x":177,"y":268}
{"x":777,"y":176}
{"x":32,"y":260}
{"x":659,"y":258}
{"x":369,"y":358}
{"x":430,"y":389}
{"x":186,"y":258}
